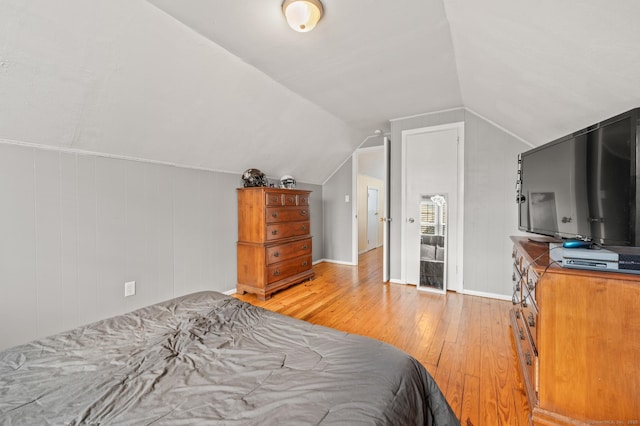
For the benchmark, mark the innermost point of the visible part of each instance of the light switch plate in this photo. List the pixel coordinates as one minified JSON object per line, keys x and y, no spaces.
{"x":129,"y":288}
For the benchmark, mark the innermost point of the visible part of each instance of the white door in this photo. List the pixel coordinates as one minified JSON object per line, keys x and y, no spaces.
{"x":430,"y":162}
{"x":373,"y":217}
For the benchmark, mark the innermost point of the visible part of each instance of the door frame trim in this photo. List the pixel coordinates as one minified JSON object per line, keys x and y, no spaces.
{"x":459,"y":125}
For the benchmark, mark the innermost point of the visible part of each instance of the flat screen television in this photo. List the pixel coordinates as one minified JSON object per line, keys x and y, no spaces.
{"x":584,"y":185}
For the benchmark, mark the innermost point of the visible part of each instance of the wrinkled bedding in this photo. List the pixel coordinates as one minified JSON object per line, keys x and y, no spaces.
{"x":207,"y":358}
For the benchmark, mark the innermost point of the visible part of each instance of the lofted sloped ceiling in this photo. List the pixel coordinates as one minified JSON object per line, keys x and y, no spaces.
{"x":367,"y":62}
{"x":227,"y":85}
{"x":547,"y":68}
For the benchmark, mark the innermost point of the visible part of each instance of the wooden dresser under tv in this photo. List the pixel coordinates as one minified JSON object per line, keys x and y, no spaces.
{"x":274,"y":239}
{"x":577,"y":336}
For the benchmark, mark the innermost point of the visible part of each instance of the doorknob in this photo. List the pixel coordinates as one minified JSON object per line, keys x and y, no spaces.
{"x":411,"y":220}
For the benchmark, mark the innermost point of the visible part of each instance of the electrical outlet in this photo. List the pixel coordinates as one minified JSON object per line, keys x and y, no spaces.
{"x":129,"y":288}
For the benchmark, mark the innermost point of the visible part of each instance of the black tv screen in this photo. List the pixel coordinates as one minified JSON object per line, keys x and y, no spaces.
{"x":583,"y":185}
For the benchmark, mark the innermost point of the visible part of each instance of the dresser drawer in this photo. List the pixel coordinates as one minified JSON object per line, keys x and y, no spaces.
{"x":303,"y":200}
{"x":284,"y":199}
{"x":290,"y":199}
{"x":516,"y":279}
{"x":288,"y":268}
{"x":287,"y":214}
{"x":530,"y":322}
{"x":527,"y":357}
{"x":529,"y":363}
{"x":288,"y":251}
{"x":273,"y":199}
{"x":277,"y":231}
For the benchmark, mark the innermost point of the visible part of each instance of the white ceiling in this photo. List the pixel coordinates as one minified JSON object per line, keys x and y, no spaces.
{"x":227,"y":85}
{"x":366,"y":62}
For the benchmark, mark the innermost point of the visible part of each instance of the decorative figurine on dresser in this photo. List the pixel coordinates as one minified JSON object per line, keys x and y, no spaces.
{"x":274,"y":240}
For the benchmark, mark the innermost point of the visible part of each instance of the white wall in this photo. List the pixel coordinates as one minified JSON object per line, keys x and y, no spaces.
{"x":74,"y":228}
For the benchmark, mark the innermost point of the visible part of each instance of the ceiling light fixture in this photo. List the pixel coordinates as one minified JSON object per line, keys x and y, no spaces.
{"x":302,"y":15}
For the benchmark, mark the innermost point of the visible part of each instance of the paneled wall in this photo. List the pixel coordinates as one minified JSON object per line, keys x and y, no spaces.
{"x":74,"y":228}
{"x":338,"y":214}
{"x":491,"y":164}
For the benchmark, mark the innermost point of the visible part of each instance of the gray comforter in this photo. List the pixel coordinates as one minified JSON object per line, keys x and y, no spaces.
{"x":208,"y":358}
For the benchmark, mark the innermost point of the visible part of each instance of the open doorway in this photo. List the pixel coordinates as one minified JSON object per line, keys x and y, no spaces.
{"x":371,"y":196}
{"x":371,"y":207}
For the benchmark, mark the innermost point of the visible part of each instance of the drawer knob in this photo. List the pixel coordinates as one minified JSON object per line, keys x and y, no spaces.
{"x":303,"y":212}
{"x":276,"y":254}
{"x":527,"y":355}
{"x":521,"y":333}
{"x":303,"y":227}
{"x":304,"y":247}
{"x":304,"y":263}
{"x":274,"y":232}
{"x":290,"y":199}
{"x":276,"y":272}
{"x":532,"y":321}
{"x":274,"y":214}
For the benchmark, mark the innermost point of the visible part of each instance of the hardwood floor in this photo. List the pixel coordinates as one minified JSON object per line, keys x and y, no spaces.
{"x":464,"y":341}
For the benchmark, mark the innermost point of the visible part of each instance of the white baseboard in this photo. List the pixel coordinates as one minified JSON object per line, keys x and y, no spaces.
{"x":339,"y":262}
{"x":397,"y":281}
{"x":369,"y":249}
{"x":467,"y":292}
{"x":487,"y":295}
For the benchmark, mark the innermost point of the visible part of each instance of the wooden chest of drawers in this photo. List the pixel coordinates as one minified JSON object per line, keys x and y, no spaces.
{"x":577,"y":337}
{"x":524,"y":318}
{"x":274,"y":243}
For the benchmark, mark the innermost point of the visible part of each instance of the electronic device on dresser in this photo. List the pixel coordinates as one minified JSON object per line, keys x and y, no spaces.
{"x":274,"y":239}
{"x":584,"y":185}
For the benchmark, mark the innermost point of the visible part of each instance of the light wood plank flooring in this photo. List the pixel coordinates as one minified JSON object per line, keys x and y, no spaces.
{"x":464,"y":341}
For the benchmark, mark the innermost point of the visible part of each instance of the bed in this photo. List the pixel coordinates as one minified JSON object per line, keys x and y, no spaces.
{"x":207,"y":358}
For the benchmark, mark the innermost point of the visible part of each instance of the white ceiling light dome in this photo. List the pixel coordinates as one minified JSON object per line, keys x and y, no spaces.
{"x":302,"y":15}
